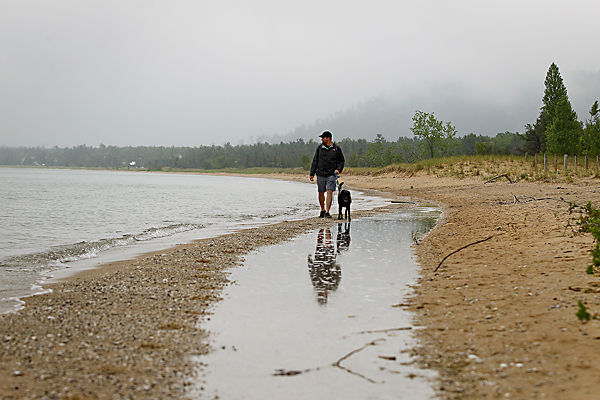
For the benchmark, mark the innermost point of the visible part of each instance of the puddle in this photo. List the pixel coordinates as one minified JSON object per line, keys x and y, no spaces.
{"x":314,"y":317}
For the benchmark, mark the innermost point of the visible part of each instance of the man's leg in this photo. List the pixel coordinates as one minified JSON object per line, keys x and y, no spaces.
{"x":322,"y":200}
{"x":329,"y":199}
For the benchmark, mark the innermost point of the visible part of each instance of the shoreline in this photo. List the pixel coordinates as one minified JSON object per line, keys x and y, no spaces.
{"x":130,"y":326}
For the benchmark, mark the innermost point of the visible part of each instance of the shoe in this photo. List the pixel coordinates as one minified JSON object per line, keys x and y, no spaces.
{"x":327,"y":215}
{"x":322,"y":215}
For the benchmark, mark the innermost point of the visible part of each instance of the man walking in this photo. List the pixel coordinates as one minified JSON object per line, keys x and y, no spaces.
{"x":327,"y":163}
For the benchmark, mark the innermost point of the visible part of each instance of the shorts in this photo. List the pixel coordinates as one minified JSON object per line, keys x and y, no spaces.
{"x":325,"y":183}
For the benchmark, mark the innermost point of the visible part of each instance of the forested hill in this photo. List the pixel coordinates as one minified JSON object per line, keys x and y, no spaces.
{"x":293,"y":154}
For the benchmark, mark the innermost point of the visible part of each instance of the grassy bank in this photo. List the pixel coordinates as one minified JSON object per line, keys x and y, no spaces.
{"x":486,"y":167}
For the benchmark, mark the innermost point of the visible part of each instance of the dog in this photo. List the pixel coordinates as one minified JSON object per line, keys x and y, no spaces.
{"x":344,"y":200}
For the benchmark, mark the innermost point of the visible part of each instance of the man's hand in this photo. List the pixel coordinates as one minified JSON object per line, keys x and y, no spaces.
{"x":312,"y":178}
{"x":337,"y":172}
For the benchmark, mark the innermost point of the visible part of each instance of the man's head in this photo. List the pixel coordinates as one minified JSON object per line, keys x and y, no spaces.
{"x":326,"y":138}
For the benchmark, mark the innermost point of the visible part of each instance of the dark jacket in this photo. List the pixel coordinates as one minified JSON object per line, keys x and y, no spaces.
{"x":327,"y":160}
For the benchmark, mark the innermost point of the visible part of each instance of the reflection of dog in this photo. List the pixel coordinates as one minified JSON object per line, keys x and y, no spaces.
{"x":342,"y":240}
{"x":344,"y":200}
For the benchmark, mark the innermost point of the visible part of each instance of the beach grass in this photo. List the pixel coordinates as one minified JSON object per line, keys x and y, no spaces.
{"x":488,"y":166}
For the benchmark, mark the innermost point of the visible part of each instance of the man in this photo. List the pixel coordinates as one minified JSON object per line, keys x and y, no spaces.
{"x":327,"y":163}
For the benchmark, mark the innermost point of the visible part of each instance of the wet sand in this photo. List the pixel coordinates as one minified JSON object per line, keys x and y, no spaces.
{"x":499,"y":317}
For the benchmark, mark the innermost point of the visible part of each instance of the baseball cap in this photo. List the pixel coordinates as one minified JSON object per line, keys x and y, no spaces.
{"x":325,"y":134}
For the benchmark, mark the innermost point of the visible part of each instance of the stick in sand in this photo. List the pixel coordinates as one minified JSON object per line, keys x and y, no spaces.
{"x":456,"y":251}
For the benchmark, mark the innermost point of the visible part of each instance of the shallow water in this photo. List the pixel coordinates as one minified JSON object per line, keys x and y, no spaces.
{"x":73,"y":219}
{"x":298,"y":307}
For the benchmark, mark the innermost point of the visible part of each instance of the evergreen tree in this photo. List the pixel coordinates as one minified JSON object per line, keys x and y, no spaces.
{"x":555,"y":89}
{"x":591,"y":132}
{"x":563,"y":135}
{"x":536,"y":135}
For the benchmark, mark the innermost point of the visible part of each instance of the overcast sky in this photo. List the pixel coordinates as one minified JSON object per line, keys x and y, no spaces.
{"x":207,"y":72}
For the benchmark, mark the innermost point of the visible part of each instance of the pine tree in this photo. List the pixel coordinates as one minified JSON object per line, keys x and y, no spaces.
{"x":555,"y":89}
{"x":563,"y":135}
{"x":591,"y":132}
{"x":557,"y":129}
{"x":535,"y":135}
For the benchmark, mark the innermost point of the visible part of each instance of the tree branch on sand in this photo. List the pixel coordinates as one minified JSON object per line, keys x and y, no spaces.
{"x":462,"y":248}
{"x":499,"y":176}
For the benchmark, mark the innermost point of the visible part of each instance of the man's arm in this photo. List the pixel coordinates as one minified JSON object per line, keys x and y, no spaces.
{"x":313,"y":167}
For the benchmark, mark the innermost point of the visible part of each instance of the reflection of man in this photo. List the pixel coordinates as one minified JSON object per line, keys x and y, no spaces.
{"x":325,"y":273}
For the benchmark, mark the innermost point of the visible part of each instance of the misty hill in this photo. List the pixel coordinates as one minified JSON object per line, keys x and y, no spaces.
{"x":481,"y":111}
{"x":392,"y":117}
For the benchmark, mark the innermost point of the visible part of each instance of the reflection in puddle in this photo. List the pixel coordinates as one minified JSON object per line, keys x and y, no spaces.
{"x":273,"y":340}
{"x":325,"y":273}
{"x":343,"y":237}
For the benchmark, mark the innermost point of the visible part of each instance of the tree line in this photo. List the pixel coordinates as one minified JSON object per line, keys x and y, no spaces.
{"x":292,"y":154}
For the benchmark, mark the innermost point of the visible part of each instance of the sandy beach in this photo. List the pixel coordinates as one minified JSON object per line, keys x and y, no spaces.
{"x":498,"y":317}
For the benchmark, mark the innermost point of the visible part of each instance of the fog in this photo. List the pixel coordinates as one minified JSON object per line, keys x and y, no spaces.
{"x":199,"y":72}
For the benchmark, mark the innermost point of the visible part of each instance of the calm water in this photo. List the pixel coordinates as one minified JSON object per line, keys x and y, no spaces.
{"x":299,"y":306}
{"x":55,"y":219}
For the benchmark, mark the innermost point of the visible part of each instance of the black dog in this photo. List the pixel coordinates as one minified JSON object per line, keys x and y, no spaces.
{"x":344,"y":200}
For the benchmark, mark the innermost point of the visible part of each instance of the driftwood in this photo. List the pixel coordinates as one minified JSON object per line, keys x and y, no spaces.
{"x":462,"y":248}
{"x":584,"y":290}
{"x":524,"y":199}
{"x":531,"y":198}
{"x":406,"y":328}
{"x":499,"y":176}
{"x":414,"y":238}
{"x":338,"y":363}
{"x":289,"y":372}
{"x":401,"y":202}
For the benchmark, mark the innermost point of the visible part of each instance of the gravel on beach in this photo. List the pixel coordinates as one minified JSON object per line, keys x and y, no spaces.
{"x":127,"y":329}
